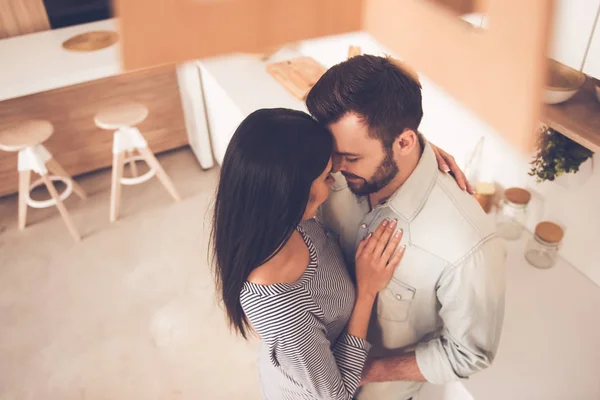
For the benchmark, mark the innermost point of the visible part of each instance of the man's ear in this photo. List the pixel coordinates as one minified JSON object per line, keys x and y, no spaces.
{"x":406,"y":142}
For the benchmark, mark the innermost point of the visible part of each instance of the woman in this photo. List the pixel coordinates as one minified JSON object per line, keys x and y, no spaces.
{"x":280,"y":273}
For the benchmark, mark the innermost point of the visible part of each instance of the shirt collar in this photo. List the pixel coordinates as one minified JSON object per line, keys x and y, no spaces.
{"x":410,"y":198}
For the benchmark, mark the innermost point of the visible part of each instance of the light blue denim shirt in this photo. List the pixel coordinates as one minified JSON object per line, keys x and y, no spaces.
{"x":446,"y":299}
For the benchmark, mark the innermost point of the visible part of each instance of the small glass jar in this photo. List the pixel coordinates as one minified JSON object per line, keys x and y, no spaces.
{"x":511,"y":215}
{"x":542,"y":249}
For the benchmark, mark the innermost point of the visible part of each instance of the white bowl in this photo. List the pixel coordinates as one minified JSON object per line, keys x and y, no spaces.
{"x":553,"y":96}
{"x":563,"y":82}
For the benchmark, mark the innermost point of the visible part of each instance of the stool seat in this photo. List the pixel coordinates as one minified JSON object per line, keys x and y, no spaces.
{"x":121,"y":116}
{"x":26,"y":134}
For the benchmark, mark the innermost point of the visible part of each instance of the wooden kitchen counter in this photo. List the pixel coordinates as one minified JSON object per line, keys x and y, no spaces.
{"x":77,"y":143}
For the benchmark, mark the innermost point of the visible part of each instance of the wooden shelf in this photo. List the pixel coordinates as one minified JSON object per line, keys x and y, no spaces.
{"x":577,"y":118}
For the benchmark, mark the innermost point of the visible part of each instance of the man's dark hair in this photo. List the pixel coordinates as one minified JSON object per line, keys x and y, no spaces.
{"x":386,"y":96}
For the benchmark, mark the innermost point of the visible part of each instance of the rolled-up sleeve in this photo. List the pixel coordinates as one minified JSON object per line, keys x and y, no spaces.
{"x":471,"y":294}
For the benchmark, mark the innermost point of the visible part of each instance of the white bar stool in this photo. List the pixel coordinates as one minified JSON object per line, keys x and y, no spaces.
{"x":122,"y":119}
{"x":27,"y":138}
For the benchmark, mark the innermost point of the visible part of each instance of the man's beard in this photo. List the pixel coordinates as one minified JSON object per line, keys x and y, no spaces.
{"x":386,"y":171}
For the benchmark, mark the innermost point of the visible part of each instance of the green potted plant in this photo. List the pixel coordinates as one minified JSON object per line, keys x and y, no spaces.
{"x":557,"y":156}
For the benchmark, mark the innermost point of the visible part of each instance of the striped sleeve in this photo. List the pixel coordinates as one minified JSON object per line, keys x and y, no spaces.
{"x":306,"y":355}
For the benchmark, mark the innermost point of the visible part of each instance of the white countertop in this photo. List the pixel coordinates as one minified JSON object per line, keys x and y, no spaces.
{"x":37,"y":62}
{"x":549,"y":346}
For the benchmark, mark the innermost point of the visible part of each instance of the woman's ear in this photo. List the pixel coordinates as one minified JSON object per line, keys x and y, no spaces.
{"x":406,"y":142}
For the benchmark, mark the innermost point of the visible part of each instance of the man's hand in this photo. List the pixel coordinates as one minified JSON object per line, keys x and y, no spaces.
{"x":447,"y":163}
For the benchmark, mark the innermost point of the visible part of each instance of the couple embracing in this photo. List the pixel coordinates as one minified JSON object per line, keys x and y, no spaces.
{"x":343,"y":240}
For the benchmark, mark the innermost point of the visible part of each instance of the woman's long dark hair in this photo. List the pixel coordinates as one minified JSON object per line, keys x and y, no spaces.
{"x":266,"y":176}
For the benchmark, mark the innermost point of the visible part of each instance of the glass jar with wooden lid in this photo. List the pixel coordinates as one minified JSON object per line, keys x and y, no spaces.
{"x":512,"y":213}
{"x":542,"y":249}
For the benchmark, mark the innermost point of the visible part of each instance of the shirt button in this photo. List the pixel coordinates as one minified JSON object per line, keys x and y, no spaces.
{"x":364,"y":226}
{"x":399,"y":297}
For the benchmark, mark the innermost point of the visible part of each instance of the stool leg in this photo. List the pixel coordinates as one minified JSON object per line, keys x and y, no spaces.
{"x":160,"y":172}
{"x":57,"y":169}
{"x":115,"y":190}
{"x":61,"y":208}
{"x":24,"y":182}
{"x":134,"y":171}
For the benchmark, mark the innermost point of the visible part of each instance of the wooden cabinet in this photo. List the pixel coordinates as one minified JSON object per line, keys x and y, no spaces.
{"x":572,"y":28}
{"x":592,"y":60}
{"x":77,"y":143}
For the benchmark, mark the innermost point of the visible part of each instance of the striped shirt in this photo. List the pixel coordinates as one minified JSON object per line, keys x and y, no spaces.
{"x":305,"y":352}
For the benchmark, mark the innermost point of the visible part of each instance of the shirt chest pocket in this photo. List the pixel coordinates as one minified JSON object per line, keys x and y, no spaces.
{"x":395,"y":300}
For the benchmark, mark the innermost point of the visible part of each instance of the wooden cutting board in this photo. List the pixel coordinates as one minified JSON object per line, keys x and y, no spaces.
{"x":297,"y":75}
{"x":91,"y":41}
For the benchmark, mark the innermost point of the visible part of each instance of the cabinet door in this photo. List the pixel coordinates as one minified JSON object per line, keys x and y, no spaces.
{"x":573,"y":26}
{"x":592,"y":60}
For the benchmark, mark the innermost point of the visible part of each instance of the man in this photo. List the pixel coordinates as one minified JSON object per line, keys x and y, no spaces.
{"x":440,"y":318}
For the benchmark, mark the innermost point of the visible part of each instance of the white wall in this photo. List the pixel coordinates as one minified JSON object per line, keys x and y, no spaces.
{"x":454,"y":128}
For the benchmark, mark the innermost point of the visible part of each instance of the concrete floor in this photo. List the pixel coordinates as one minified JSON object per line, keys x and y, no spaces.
{"x":128,"y":313}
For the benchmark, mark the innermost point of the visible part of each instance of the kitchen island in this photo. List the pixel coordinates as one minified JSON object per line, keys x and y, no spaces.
{"x":40,"y":79}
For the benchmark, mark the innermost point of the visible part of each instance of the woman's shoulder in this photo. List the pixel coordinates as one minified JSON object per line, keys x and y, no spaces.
{"x":271,"y":307}
{"x":288,"y":266}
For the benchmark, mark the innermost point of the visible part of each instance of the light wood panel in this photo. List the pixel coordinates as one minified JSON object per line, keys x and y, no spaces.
{"x":77,"y":143}
{"x":498,"y":73}
{"x":18,"y":17}
{"x":192,"y":29}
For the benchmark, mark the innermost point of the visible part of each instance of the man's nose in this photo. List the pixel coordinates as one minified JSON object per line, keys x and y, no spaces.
{"x":336,"y":163}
